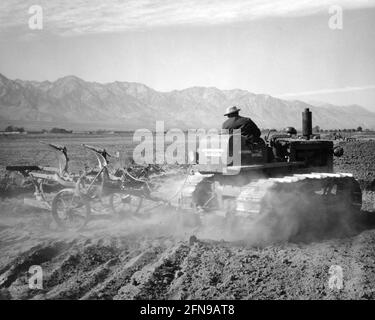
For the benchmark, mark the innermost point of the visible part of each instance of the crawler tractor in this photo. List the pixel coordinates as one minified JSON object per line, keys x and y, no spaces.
{"x":287,"y":176}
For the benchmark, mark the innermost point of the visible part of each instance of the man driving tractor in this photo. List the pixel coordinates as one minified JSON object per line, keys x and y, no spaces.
{"x":248,"y":128}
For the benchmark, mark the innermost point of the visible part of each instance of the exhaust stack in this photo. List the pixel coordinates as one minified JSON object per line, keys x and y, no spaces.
{"x":307,"y":123}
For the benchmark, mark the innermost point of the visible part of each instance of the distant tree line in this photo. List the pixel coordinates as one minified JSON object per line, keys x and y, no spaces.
{"x":21,"y":129}
{"x":60,"y":130}
{"x":14,"y":129}
{"x":317,"y":129}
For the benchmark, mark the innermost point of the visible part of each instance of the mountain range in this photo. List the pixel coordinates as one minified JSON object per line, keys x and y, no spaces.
{"x":71,"y":102}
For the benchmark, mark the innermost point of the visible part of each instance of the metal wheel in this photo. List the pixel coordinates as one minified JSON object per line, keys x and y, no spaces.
{"x":125,"y":204}
{"x":69,"y":210}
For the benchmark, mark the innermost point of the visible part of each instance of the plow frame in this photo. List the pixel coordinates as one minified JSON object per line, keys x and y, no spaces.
{"x":84,"y":190}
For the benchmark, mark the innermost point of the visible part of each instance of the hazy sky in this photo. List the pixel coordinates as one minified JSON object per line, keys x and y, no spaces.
{"x":279,"y":47}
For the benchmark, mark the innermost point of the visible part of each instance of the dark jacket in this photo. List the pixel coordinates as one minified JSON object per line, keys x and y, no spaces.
{"x":248,"y":128}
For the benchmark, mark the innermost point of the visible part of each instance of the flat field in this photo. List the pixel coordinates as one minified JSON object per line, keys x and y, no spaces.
{"x":135,"y":259}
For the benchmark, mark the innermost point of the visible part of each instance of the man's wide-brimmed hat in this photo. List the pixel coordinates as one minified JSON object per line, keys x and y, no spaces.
{"x":231,"y":110}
